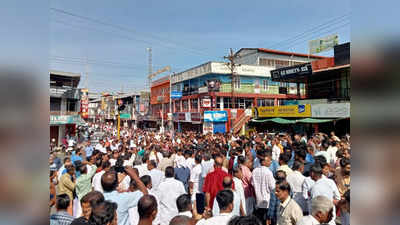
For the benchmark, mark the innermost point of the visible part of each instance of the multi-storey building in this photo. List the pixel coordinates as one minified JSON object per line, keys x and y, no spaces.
{"x":209,"y":86}
{"x":64,"y":104}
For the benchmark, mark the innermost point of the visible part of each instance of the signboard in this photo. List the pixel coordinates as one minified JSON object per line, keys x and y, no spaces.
{"x":215,"y":116}
{"x":125,"y":116}
{"x":208,"y":127}
{"x":335,"y":110}
{"x":206,"y":102}
{"x":323,"y":44}
{"x":203,"y":90}
{"x":196,"y":117}
{"x":84,"y":103}
{"x":188,"y":118}
{"x":221,"y":68}
{"x":176,"y":94}
{"x":282,"y":111}
{"x":292,"y":71}
{"x":64,"y":119}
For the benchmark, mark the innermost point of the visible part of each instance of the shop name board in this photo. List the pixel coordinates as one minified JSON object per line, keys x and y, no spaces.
{"x":186,"y":117}
{"x":220,"y":68}
{"x":291,"y":72}
{"x":64,"y":119}
{"x":338,"y":110}
{"x":282,"y":111}
{"x":215,"y":116}
{"x":176,"y":94}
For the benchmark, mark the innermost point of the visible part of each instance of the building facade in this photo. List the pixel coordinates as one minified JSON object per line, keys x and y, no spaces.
{"x":64,"y":104}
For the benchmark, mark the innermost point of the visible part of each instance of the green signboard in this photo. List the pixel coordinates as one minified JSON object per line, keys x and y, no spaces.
{"x":125,"y":116}
{"x":323,"y":44}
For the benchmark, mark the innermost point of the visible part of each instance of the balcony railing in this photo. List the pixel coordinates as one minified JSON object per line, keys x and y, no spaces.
{"x":65,"y":92}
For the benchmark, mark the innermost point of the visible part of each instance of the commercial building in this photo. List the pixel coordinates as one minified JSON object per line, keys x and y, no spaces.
{"x":64,"y":104}
{"x":208,"y":87}
{"x":327,"y":92}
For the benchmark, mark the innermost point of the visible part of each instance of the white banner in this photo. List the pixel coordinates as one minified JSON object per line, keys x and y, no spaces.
{"x":335,"y":110}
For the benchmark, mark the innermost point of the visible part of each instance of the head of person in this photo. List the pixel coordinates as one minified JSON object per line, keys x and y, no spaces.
{"x":182,"y":220}
{"x":145,"y":158}
{"x":146,"y":179}
{"x":132,"y":186}
{"x":266,"y":160}
{"x":109,"y":181}
{"x":198,"y":158}
{"x":225,"y":200}
{"x":184,"y":203}
{"x":227,"y":182}
{"x":301,"y":155}
{"x":62,"y":202}
{"x":282,"y":190}
{"x":151,"y":164}
{"x":316,"y":172}
{"x":67,"y":161}
{"x":106,"y":165}
{"x":104,"y":213}
{"x":70,"y":169}
{"x":188,"y":154}
{"x":345,"y":166}
{"x":218,"y":161}
{"x":284,"y":158}
{"x":245,"y":220}
{"x":325,"y":168}
{"x":89,"y":201}
{"x":322,"y":209}
{"x":298,"y":166}
{"x":280,"y":175}
{"x":147,"y":207}
{"x":237,"y":172}
{"x":82,"y":169}
{"x":169,"y":172}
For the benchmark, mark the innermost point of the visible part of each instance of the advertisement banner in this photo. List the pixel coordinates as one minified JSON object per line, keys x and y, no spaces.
{"x":282,"y":111}
{"x":215,"y":116}
{"x":84,"y":104}
{"x":196,"y":117}
{"x":208,"y":127}
{"x":323,"y":44}
{"x":176,"y":94}
{"x":206,"y":102}
{"x":335,"y":110}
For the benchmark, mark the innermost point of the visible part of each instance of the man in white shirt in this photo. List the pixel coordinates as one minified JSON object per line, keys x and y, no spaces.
{"x":142,"y":168}
{"x":276,"y":151}
{"x":225,"y":203}
{"x":264,"y":183}
{"x":100,"y":147}
{"x":324,"y":186}
{"x":283,"y":162}
{"x":96,"y":182}
{"x":194,"y":182}
{"x":179,"y":160}
{"x":296,"y":180}
{"x":237,"y":179}
{"x":332,"y":149}
{"x":184,"y":205}
{"x":168,"y":191}
{"x":237,"y":204}
{"x":156,"y":175}
{"x":189,"y":159}
{"x":321,"y":212}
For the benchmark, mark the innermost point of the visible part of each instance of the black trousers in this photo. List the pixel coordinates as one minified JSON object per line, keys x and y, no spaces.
{"x":261,"y":214}
{"x":200,"y":203}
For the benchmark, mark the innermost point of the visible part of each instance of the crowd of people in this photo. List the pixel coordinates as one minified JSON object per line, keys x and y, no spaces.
{"x":187,"y":178}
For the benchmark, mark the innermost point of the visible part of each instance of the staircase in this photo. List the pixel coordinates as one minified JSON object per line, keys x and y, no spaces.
{"x":240,"y":121}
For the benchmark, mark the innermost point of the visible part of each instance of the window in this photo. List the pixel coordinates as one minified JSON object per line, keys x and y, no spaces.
{"x":55,"y":104}
{"x":265,"y":85}
{"x":227,"y":103}
{"x":266,"y":62}
{"x":265,"y":102}
{"x":194,"y":104}
{"x":185,"y":105}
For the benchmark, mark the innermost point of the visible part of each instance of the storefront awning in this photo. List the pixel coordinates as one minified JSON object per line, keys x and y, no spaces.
{"x":66,"y":119}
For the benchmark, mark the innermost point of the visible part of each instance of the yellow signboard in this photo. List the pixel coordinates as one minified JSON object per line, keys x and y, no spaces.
{"x":282,"y":111}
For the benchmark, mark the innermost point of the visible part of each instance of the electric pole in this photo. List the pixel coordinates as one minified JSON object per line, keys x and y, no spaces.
{"x":150,"y":65}
{"x":231,"y":64}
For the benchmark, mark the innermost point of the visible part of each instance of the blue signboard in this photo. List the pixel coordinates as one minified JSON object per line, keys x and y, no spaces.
{"x":176,"y":94}
{"x":215,"y":116}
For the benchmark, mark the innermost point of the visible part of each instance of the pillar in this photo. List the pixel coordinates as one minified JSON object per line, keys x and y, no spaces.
{"x":221,"y":103}
{"x":189,"y":106}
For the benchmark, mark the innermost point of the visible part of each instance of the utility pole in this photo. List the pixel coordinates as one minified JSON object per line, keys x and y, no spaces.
{"x":231,"y":64}
{"x":150,"y":65}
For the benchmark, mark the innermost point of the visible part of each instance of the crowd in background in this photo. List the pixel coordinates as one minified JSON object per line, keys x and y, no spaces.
{"x":146,"y":177}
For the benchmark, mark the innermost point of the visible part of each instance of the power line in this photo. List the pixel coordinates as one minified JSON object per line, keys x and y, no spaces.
{"x":125,"y":29}
{"x":317,"y":35}
{"x":318,"y":27}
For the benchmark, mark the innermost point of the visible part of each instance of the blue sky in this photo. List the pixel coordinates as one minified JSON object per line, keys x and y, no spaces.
{"x":182,"y":34}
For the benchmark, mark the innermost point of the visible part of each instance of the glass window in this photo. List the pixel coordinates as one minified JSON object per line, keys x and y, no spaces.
{"x":265,"y":85}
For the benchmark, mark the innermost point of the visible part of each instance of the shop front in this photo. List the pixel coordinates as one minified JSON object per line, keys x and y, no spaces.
{"x":187,"y":121}
{"x":215,"y":122}
{"x":63,"y":125}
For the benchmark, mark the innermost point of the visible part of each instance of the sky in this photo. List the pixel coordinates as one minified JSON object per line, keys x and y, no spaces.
{"x":106,"y":41}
